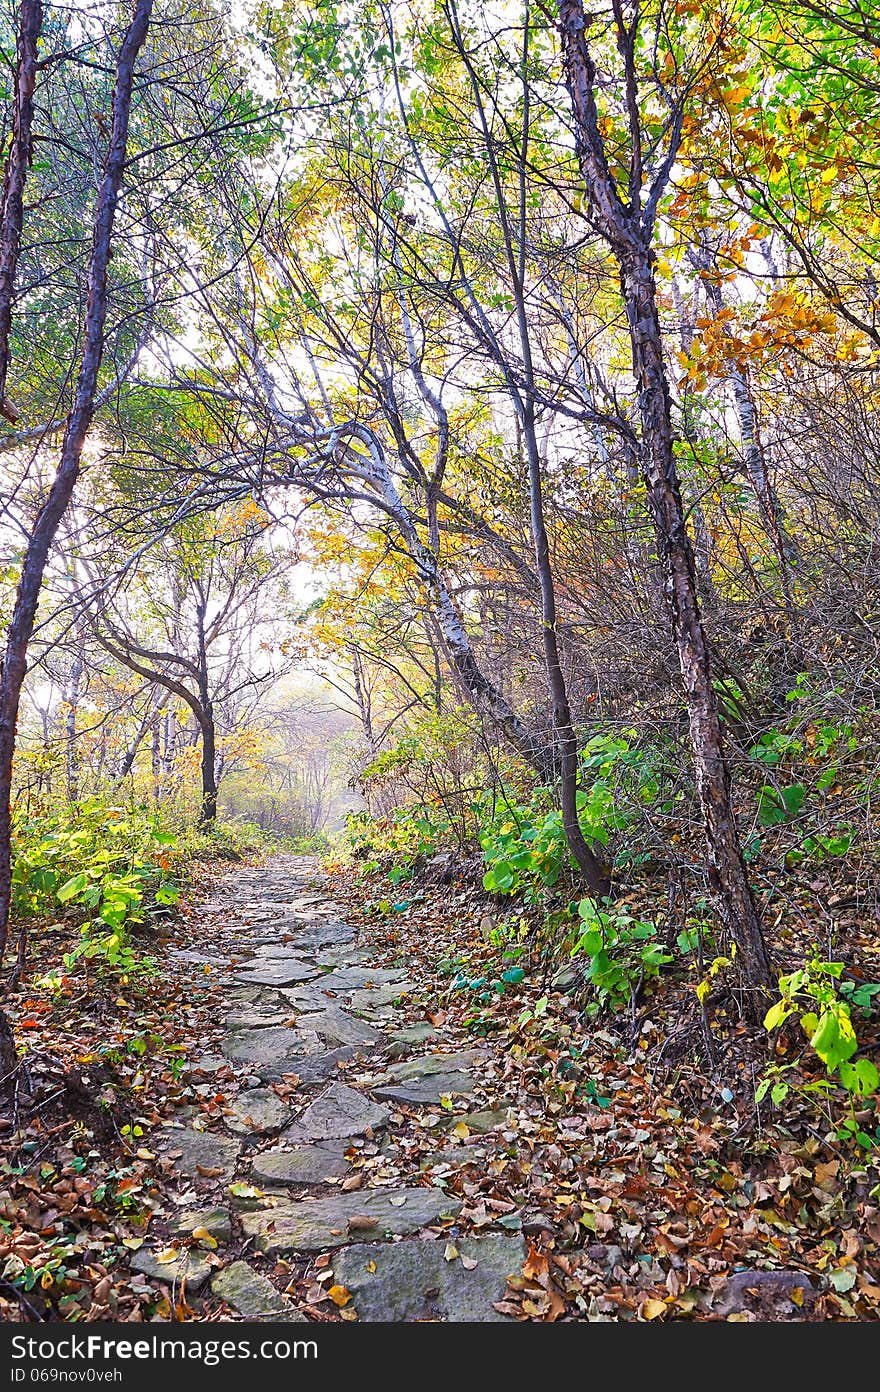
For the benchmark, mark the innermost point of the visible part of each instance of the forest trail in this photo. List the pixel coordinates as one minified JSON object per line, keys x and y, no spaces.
{"x":309,"y":1166}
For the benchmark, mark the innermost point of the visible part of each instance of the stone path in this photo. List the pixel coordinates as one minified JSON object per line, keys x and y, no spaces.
{"x":284,"y":1187}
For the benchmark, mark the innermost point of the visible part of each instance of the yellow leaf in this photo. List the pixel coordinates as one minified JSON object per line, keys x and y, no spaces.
{"x":653,"y":1309}
{"x":202,"y":1235}
{"x":461,"y":1130}
{"x":340,"y":1295}
{"x":169,"y":1255}
{"x":450,"y":1251}
{"x":371,"y":1267}
{"x":829,"y":175}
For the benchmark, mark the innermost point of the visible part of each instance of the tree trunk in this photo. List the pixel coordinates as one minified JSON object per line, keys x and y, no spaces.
{"x":727,"y":869}
{"x":208,"y":810}
{"x":71,"y":752}
{"x":628,"y":233}
{"x":80,"y":418}
{"x":15,"y":176}
{"x":594,"y":873}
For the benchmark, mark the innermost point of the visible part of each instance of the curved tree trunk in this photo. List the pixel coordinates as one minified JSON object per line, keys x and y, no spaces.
{"x":39,"y":544}
{"x":627,"y":228}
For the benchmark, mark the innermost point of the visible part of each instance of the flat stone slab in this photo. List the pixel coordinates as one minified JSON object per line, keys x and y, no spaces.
{"x":481,"y":1122}
{"x":255,"y":1019}
{"x":193,"y":1149}
{"x":318,"y":1067}
{"x":338,"y":1113}
{"x":343,"y":957}
{"x":179,"y":954}
{"x":319,"y":1224}
{"x":215,"y":1221}
{"x":280,"y":973}
{"x":321,"y":935}
{"x":270,"y":1052}
{"x":415,"y":1034}
{"x":427,"y":1090}
{"x":374,"y":997}
{"x":276,"y":952}
{"x":258,"y":1109}
{"x":306,"y":1165}
{"x":190,"y":1265}
{"x":412,"y":1280}
{"x":354,"y":978}
{"x":426,"y":1064}
{"x":252,"y":1295}
{"x":335,"y":1027}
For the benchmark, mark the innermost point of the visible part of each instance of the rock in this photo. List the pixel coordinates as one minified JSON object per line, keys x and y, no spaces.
{"x":335,"y":1027}
{"x":373,"y":997}
{"x":415,"y":1034}
{"x":203,"y":958}
{"x":281,"y":973}
{"x":306,"y":1165}
{"x":250,"y":1294}
{"x":342,"y":957}
{"x":321,"y":935}
{"x":198,"y":1148}
{"x":190,"y":1265}
{"x":259,"y":1109}
{"x":417,"y":1092}
{"x":208,"y":1063}
{"x":270,"y":1052}
{"x":318,"y":1224}
{"x":412,"y":1280}
{"x":481,"y":1122}
{"x":426,"y":1064}
{"x":256,"y":1019}
{"x":216,"y":1222}
{"x":767,"y":1294}
{"x":318,"y":1067}
{"x":355,"y":978}
{"x":338,"y":1113}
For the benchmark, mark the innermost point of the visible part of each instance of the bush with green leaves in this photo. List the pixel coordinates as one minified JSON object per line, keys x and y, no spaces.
{"x":524,"y":845}
{"x":622,"y":951}
{"x":824,"y":1005}
{"x":106,"y":864}
{"x":395,"y":843}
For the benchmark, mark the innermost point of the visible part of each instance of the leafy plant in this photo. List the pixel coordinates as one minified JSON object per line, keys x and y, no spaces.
{"x":106,"y":864}
{"x":825,"y":1015}
{"x":622,"y":951}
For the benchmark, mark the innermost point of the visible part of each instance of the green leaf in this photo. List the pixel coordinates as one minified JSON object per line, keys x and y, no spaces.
{"x":860,"y":1078}
{"x":73,"y":886}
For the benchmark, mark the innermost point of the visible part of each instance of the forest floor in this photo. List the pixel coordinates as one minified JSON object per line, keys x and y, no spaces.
{"x":294,"y":1118}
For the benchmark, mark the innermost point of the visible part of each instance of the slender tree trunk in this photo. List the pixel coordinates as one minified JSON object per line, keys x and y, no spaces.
{"x":594,"y":873}
{"x":628,"y":234}
{"x":15,"y":176}
{"x":80,"y":418}
{"x":208,"y":810}
{"x":727,"y":869}
{"x":71,"y":752}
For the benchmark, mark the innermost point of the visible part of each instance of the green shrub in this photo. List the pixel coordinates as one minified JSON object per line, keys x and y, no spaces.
{"x":108,"y":865}
{"x":622,"y":953}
